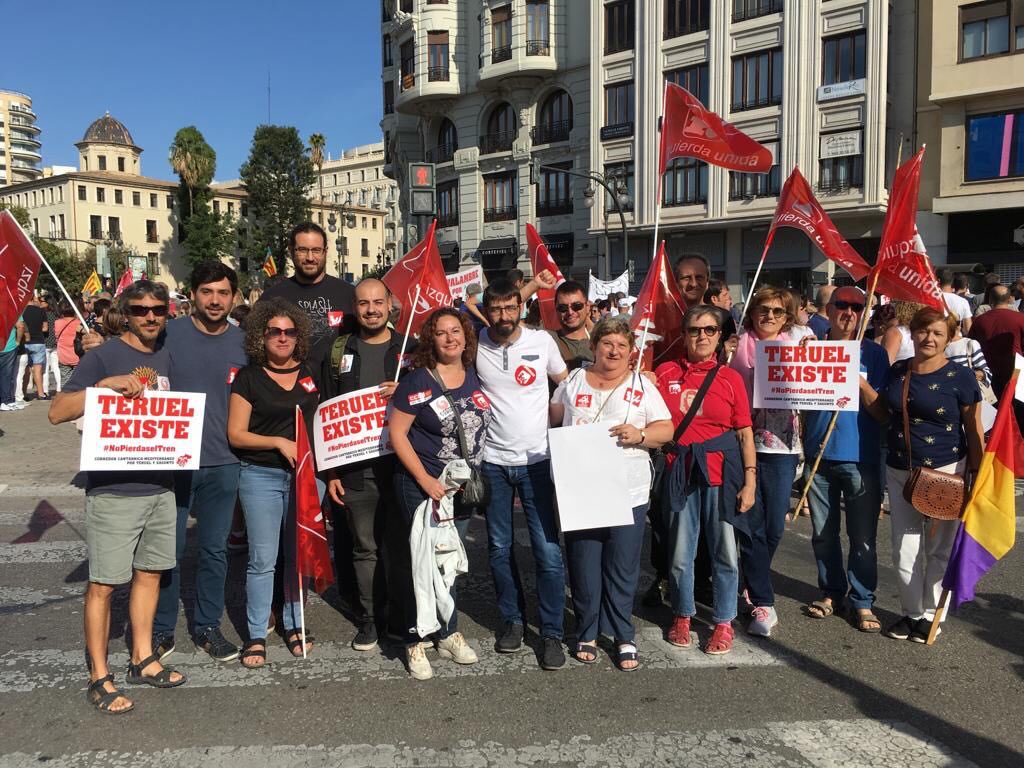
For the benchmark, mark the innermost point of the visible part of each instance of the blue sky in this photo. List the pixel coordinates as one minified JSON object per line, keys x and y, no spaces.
{"x":159,"y":66}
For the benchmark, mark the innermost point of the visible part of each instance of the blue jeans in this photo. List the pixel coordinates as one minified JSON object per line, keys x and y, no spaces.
{"x":209,"y":493}
{"x":701,"y":512}
{"x":8,"y":368}
{"x":604,"y":567}
{"x":859,"y":485}
{"x":767,"y":521}
{"x":532,"y":483}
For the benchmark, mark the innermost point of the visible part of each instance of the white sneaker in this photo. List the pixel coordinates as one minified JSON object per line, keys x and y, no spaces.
{"x":419,"y":666}
{"x":7,"y":407}
{"x":764,"y":620}
{"x":454,"y":647}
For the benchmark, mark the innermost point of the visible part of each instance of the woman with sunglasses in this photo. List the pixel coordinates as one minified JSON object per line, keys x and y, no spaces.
{"x":711,"y":476}
{"x":261,"y":430}
{"x":772,"y":317}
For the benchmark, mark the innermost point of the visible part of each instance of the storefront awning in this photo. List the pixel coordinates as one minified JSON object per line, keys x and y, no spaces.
{"x":498,"y":246}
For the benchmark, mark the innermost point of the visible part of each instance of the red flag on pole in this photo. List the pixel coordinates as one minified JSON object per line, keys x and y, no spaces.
{"x":126,"y":279}
{"x":688,"y":129}
{"x":540,"y":259}
{"x":312,"y":558}
{"x":421,"y":267}
{"x":903,"y":269}
{"x":658,"y":312}
{"x":799,"y":209}
{"x":19,"y":270}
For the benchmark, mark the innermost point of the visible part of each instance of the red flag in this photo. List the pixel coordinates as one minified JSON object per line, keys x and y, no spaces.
{"x":659,"y":308}
{"x":540,"y":259}
{"x":312,"y":558}
{"x":19,"y":270}
{"x":798,"y":208}
{"x":126,"y":279}
{"x":688,"y":129}
{"x":420,"y":267}
{"x":903,"y":269}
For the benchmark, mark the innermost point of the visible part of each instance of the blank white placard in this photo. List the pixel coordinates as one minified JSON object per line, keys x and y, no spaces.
{"x":589,"y":471}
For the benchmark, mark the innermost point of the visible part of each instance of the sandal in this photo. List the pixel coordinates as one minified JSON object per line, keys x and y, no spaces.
{"x":249,"y":651}
{"x":820,"y":609}
{"x":866,"y":621}
{"x":627,"y":652}
{"x":586,"y":649}
{"x":295,"y":642}
{"x":103,"y":700}
{"x":161,"y":679}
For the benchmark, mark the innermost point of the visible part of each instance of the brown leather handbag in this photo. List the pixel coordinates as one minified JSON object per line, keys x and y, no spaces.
{"x":933,"y":493}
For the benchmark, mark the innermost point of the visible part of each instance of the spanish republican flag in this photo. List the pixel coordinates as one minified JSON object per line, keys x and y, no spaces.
{"x":269,"y":265}
{"x":93,"y":284}
{"x":987,"y":530}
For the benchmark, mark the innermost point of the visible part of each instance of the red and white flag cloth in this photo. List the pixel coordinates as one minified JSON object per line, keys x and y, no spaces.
{"x":312,"y":557}
{"x":659,"y":309}
{"x":126,"y":279}
{"x":903,"y":269}
{"x":421,"y":267}
{"x":19,"y":269}
{"x":799,"y":209}
{"x":540,"y":259}
{"x":688,"y":129}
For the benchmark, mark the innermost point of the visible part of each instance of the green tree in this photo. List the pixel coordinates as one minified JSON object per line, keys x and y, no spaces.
{"x":207,"y":235}
{"x":277,"y":175}
{"x":317,"y":142}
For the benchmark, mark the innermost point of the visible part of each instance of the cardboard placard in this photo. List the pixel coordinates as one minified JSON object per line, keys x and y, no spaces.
{"x":593,"y":492}
{"x":812,"y":376}
{"x":351,"y":427}
{"x":460,"y":281}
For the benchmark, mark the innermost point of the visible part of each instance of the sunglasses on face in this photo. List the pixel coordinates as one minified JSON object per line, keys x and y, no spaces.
{"x":706,"y":330}
{"x":274,"y":333}
{"x":141,"y":310}
{"x":775,"y":312}
{"x":856,"y":306}
{"x":576,"y":306}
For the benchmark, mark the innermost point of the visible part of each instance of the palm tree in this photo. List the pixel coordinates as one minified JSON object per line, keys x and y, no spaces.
{"x":317,"y":142}
{"x":193,"y":160}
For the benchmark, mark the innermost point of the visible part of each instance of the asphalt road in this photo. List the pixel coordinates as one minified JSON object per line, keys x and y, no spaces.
{"x":818,"y":693}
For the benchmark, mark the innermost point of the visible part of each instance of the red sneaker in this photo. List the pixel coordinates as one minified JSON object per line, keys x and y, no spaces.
{"x":721,"y":640}
{"x":679,"y":633}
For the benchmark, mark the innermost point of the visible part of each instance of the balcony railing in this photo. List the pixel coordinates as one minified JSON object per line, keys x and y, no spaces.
{"x":756,"y":103}
{"x":438,"y":74}
{"x":551,"y":132}
{"x":450,"y":219}
{"x":617,"y":131}
{"x":839,"y":186}
{"x":538,"y":48}
{"x":497,"y":142}
{"x":554,"y":207}
{"x":507,"y":213}
{"x":389,"y":109}
{"x":442,"y":153}
{"x":751,"y":9}
{"x":504,"y":53}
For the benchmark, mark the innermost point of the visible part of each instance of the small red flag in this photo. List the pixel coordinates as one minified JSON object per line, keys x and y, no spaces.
{"x":19,"y":270}
{"x":420,"y":267}
{"x":540,"y":259}
{"x":799,"y":209}
{"x":688,"y":129}
{"x":312,"y":558}
{"x":126,"y":279}
{"x":659,"y":308}
{"x":903,"y":269}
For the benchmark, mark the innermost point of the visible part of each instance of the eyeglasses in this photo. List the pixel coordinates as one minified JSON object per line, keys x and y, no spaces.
{"x":511,"y":309}
{"x":303,"y":251}
{"x":775,"y":312}
{"x":706,"y":330}
{"x":141,"y":310}
{"x":274,"y":333}
{"x":576,"y":306}
{"x":856,"y":306}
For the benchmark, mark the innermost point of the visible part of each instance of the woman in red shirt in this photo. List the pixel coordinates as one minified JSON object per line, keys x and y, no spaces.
{"x":712,"y":476}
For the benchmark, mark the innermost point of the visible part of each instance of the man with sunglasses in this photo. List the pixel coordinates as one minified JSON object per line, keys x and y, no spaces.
{"x":573,"y":338}
{"x":130,"y":516}
{"x":849,"y":476}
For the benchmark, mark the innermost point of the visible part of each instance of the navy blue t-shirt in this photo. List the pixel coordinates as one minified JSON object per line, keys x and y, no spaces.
{"x":434,"y":435}
{"x":819,"y":325}
{"x":936,"y":433}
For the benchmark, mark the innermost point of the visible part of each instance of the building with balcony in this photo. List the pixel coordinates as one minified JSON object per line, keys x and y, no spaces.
{"x":20,"y":149}
{"x":970,"y":112}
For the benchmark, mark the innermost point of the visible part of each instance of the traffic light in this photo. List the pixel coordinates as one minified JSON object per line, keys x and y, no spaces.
{"x":421,"y":189}
{"x":421,"y":175}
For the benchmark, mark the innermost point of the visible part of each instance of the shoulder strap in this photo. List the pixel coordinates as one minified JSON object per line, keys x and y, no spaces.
{"x":455,"y":413}
{"x":338,"y":351}
{"x":691,"y":414}
{"x":906,"y":416}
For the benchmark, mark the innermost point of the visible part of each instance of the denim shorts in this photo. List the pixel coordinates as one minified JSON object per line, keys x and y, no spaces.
{"x":36,"y":353}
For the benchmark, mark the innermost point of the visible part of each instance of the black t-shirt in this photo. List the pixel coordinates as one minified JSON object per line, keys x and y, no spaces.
{"x":327,"y":303}
{"x":373,"y":363}
{"x":273,"y":409}
{"x":34,"y":318}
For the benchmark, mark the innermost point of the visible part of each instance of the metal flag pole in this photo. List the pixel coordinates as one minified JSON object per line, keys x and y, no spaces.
{"x":408,"y":328}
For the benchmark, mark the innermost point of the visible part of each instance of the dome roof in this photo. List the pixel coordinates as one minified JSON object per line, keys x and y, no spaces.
{"x":108,"y":130}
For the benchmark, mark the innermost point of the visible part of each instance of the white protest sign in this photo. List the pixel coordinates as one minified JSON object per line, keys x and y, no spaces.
{"x":460,"y":281}
{"x":160,"y":430}
{"x":816,"y":376}
{"x":593,"y":492}
{"x":599,"y":289}
{"x":350,"y":428}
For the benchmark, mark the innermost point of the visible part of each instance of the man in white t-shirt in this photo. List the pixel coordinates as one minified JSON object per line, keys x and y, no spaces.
{"x":514,"y":364}
{"x":955,"y":302}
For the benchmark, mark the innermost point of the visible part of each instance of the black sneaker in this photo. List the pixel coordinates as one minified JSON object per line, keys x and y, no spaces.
{"x":163,"y":646}
{"x":510,"y":639}
{"x":902,"y":629}
{"x":551,"y":654}
{"x":922,"y":627}
{"x":215,"y":644}
{"x":366,"y":637}
{"x":655,"y":594}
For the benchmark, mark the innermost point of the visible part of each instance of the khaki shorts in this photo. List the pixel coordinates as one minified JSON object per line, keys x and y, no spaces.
{"x":129,"y":532}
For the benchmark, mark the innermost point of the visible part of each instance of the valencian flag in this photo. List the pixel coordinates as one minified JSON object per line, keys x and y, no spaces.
{"x":93,"y":284}
{"x":989,"y":523}
{"x":690,"y":130}
{"x":799,"y":209}
{"x":903,"y":269}
{"x":126,"y":279}
{"x":312,"y":558}
{"x":540,"y":259}
{"x":269,"y":265}
{"x":19,"y":270}
{"x":420,"y":267}
{"x":659,"y":310}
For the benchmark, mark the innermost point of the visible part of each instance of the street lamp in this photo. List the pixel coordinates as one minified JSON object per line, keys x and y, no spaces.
{"x":617,"y":190}
{"x":333,"y":223}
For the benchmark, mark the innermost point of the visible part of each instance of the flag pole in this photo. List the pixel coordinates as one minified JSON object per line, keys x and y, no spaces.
{"x":298,"y":568}
{"x":408,"y":328}
{"x":940,"y":611}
